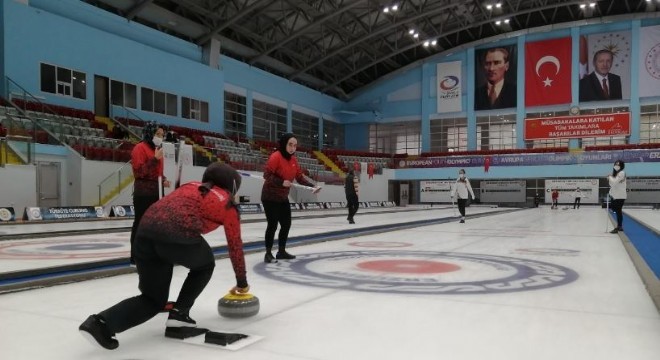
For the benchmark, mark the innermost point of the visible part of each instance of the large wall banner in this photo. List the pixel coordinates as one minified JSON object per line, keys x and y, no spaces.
{"x":548,"y":72}
{"x":605,"y":66}
{"x":643,"y":191}
{"x":567,"y":187}
{"x":649,"y":61}
{"x":495,"y":78}
{"x":562,"y":127}
{"x":449,"y":87}
{"x":435,"y":191}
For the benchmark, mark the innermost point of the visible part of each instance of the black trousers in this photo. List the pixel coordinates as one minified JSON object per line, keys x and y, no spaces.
{"x":461,"y":206}
{"x":353,"y":205}
{"x":576,"y":203}
{"x":140,"y":206}
{"x":155,"y":261}
{"x":617,"y":206}
{"x":277,"y":213}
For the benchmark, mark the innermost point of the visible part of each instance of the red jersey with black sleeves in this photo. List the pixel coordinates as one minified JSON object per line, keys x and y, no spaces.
{"x":278,"y":169}
{"x":182,"y":216}
{"x":146,"y":170}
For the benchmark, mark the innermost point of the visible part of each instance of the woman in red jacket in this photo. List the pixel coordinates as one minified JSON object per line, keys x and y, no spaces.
{"x":281,"y":169}
{"x":147,"y":163}
{"x":170,"y":233}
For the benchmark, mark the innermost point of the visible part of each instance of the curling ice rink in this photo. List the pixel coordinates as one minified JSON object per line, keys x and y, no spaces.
{"x":530,"y":284}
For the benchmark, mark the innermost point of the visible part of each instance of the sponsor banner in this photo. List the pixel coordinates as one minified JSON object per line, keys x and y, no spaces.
{"x":643,"y":191}
{"x":505,"y":191}
{"x":649,"y":61}
{"x":588,"y":157}
{"x":63,"y":213}
{"x":364,"y":204}
{"x":334,"y":205}
{"x":7,"y":214}
{"x":249,"y":208}
{"x":564,"y":127}
{"x":567,"y":187}
{"x":313,"y":206}
{"x":449,"y":87}
{"x":375,"y":203}
{"x":169,"y":166}
{"x":122,"y":211}
{"x":435,"y":191}
{"x":295,"y":206}
{"x":390,"y":204}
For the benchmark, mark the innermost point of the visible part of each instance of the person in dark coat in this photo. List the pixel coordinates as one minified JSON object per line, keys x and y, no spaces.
{"x":171,"y":233}
{"x":351,"y":196}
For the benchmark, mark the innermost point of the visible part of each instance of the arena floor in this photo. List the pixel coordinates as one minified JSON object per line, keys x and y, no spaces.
{"x":528,"y":284}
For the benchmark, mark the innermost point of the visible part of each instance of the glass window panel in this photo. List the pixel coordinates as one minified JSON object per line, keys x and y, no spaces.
{"x":171,"y":105}
{"x":117,"y":93}
{"x":48,"y":78}
{"x":159,"y":102}
{"x":79,"y":85}
{"x":147,"y":99}
{"x":130,"y":96}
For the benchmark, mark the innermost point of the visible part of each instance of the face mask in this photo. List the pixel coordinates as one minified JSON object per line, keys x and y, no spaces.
{"x":617,"y":167}
{"x":462,"y":176}
{"x":157,"y":141}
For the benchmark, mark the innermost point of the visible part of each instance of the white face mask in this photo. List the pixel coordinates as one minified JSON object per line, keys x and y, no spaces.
{"x":617,"y":167}
{"x":157,"y":141}
{"x":462,"y":176}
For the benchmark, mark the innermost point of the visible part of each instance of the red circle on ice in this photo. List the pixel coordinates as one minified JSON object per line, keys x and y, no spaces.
{"x":408,"y":266}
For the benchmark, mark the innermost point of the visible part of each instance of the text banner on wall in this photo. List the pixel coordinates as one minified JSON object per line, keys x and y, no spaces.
{"x":63,"y":213}
{"x":643,"y":191}
{"x":567,"y":187}
{"x":503,"y":191}
{"x":435,"y":191}
{"x":449,"y":84}
{"x":562,"y":127}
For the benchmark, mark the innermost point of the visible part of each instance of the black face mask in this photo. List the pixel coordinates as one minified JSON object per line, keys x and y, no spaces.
{"x":284,"y":140}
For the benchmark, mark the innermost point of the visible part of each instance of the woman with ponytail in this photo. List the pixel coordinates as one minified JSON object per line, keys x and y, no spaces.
{"x":171,"y":233}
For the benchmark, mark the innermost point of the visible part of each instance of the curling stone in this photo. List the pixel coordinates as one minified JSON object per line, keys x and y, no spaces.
{"x":238,"y":306}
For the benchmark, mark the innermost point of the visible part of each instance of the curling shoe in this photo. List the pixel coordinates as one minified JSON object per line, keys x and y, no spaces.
{"x":96,"y":331}
{"x":283,"y":255}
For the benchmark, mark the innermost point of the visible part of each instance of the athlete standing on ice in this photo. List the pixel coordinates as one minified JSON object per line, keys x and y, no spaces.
{"x":461,"y":188}
{"x":281,"y":169}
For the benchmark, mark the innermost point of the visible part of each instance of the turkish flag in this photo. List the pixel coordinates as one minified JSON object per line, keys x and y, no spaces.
{"x":548,"y":72}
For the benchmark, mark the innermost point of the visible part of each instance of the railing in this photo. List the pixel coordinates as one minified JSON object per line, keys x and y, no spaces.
{"x":114,"y":183}
{"x":3,"y":151}
{"x":124,"y":116}
{"x":29,"y":118}
{"x":19,"y":140}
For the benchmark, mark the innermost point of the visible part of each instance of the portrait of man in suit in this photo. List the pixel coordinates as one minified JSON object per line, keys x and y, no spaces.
{"x":601,"y":84}
{"x":498,"y":90}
